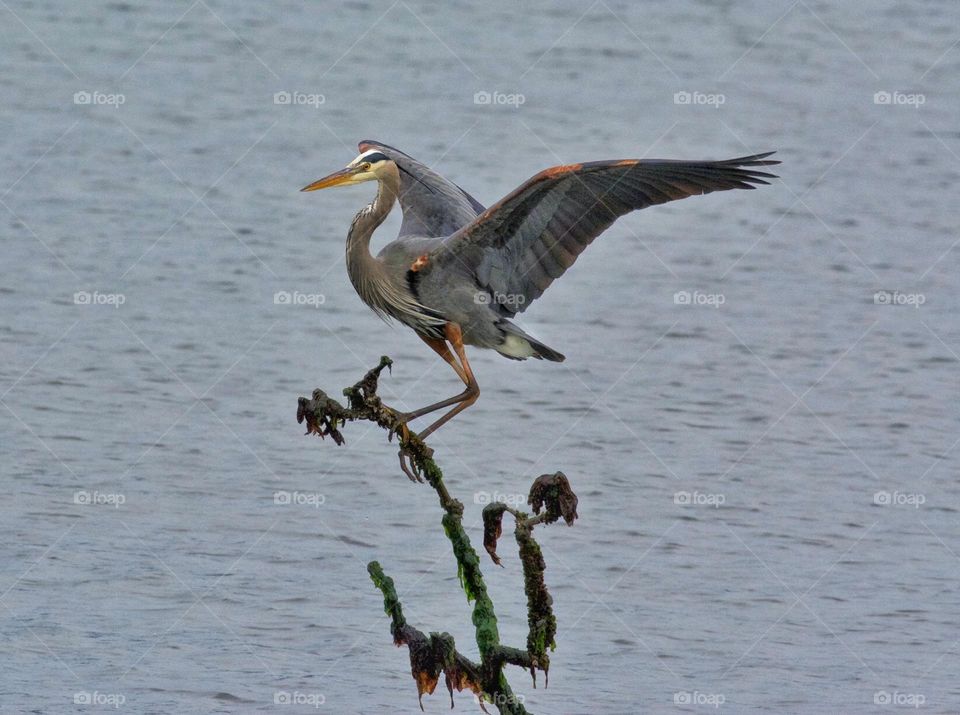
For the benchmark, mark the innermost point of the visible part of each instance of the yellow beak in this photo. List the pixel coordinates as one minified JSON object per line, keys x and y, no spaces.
{"x":337,"y":178}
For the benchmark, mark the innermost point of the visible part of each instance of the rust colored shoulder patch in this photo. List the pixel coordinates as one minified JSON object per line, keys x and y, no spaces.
{"x":559,"y":170}
{"x":420,"y":263}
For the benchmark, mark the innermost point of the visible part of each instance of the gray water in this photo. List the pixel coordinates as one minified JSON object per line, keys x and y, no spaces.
{"x":813,"y":427}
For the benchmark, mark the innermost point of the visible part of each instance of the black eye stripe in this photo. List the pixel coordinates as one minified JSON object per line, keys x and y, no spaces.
{"x":375,"y":157}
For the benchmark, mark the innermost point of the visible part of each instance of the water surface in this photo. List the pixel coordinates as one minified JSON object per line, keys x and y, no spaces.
{"x":793,"y":402}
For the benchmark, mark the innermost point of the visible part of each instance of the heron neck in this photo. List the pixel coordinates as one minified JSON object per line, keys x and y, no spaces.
{"x":365,"y":270}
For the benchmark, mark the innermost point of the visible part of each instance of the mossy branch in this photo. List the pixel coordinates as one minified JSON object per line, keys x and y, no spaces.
{"x":436,"y":653}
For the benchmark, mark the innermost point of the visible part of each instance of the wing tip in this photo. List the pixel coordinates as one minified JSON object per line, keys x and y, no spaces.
{"x":755,"y":177}
{"x":755,"y":159}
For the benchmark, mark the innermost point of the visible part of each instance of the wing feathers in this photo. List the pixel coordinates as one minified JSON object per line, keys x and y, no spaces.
{"x":529,"y":238}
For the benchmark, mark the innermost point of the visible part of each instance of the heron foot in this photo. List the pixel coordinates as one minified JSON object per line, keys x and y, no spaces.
{"x":411,"y":456}
{"x":409,"y":466}
{"x":408,"y":456}
{"x":400,"y":423}
{"x":407,"y":463}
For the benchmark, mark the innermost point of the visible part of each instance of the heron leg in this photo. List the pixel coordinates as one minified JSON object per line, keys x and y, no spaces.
{"x":467,"y":397}
{"x":440,"y":347}
{"x":462,"y":401}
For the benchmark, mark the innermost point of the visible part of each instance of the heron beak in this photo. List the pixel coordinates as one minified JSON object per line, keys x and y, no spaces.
{"x":337,"y":178}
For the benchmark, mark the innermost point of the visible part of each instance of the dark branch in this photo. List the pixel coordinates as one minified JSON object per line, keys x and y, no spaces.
{"x":436,"y":653}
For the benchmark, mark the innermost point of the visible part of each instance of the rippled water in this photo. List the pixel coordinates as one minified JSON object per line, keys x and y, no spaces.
{"x":787,"y":585}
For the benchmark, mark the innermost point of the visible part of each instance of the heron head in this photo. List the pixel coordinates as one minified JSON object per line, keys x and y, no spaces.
{"x":369,"y":166}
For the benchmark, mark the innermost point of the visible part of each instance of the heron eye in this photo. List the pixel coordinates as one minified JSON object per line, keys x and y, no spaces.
{"x":367,"y":165}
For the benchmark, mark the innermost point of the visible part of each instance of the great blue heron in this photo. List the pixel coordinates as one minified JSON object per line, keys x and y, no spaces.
{"x":458,"y":272}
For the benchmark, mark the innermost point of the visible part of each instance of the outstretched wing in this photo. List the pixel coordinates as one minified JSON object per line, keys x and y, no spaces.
{"x":431,"y":205}
{"x":518,"y":246}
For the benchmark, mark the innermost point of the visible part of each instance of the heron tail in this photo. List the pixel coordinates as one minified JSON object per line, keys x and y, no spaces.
{"x":517,"y":345}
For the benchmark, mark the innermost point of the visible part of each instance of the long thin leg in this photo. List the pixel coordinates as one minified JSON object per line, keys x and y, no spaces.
{"x":462,"y":401}
{"x":468,"y":396}
{"x":440,"y":347}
